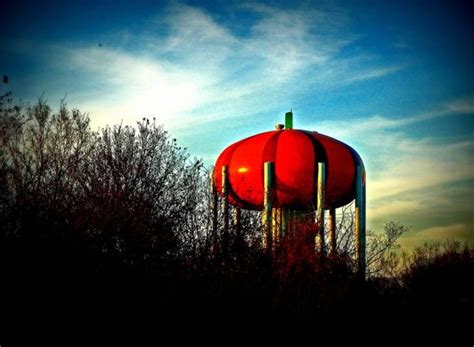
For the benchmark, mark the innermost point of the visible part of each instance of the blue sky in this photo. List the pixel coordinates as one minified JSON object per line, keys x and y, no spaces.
{"x":393,"y":79}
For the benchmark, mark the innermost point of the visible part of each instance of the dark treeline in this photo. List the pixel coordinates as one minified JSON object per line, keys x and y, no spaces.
{"x":118,"y":219}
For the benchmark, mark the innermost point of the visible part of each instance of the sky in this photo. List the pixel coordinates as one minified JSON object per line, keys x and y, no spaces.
{"x":393,"y":79}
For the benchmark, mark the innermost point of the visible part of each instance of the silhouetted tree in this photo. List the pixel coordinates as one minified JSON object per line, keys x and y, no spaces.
{"x":126,"y":191}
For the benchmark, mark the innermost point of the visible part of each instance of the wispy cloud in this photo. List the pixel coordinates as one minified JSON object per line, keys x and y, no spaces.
{"x":197,"y":69}
{"x":421,"y":183}
{"x":372,"y":73}
{"x":465,"y":105}
{"x":458,"y":231}
{"x":123,"y":85}
{"x":378,"y":123}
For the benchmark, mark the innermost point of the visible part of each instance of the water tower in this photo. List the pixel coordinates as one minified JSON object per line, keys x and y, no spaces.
{"x":287,"y":170}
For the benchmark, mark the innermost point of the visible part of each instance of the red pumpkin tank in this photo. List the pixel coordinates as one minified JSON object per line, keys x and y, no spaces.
{"x":295,"y":154}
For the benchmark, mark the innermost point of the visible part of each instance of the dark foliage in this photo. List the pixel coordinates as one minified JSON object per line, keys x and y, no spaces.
{"x":117,"y":221}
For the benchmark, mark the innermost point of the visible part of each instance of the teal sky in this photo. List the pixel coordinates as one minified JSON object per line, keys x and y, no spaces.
{"x":394,"y":80}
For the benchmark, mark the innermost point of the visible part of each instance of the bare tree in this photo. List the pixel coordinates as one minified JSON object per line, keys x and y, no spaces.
{"x":131,"y":190}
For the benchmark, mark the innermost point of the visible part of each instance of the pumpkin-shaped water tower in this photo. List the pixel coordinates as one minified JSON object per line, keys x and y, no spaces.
{"x":286,"y":170}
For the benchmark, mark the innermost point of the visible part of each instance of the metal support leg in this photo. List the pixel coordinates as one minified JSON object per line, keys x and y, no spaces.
{"x":320,"y":208}
{"x":360,"y":211}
